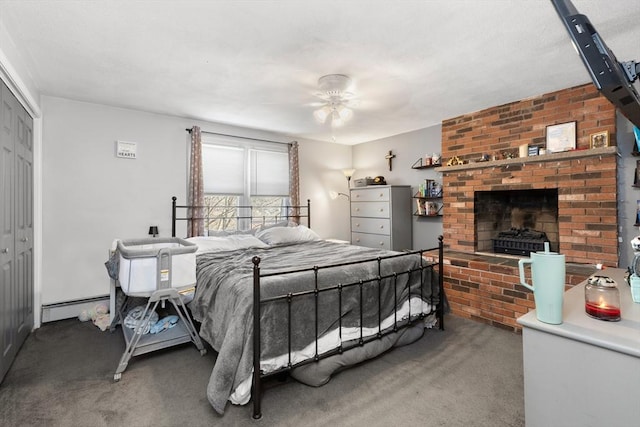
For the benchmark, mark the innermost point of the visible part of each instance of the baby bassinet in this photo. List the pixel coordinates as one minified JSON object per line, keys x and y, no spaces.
{"x":156,"y":269}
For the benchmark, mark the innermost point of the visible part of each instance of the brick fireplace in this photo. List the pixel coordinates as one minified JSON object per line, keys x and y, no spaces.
{"x":585,"y":181}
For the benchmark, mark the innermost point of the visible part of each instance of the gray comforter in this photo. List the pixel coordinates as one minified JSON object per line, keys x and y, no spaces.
{"x":224,"y":298}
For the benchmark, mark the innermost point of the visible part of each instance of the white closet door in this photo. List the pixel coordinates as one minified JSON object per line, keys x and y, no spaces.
{"x":16,"y":227}
{"x":24,"y":226}
{"x":7,"y":233}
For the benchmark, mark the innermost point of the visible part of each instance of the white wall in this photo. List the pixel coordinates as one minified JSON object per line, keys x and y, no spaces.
{"x":90,"y":197}
{"x":369,"y":160}
{"x":321,"y":165}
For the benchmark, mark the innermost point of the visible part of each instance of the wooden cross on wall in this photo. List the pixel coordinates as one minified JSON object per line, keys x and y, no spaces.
{"x":389,"y":158}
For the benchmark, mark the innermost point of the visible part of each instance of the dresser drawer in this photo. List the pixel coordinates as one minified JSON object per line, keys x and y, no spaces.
{"x":371,"y":240}
{"x":370,"y":209}
{"x":370,"y":195}
{"x":371,"y":225}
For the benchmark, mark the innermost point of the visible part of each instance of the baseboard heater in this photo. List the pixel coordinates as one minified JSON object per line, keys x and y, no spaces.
{"x":69,"y":309}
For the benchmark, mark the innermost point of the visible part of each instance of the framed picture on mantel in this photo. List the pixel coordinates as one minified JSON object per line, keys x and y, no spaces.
{"x":599,"y":139}
{"x":561,"y":137}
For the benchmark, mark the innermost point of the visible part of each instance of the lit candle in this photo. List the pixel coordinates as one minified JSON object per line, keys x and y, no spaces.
{"x":602,"y":311}
{"x":602,"y":299}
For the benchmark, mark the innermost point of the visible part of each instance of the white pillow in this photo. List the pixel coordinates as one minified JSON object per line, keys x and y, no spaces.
{"x":285,"y":223}
{"x":282,"y":235}
{"x":226,"y":243}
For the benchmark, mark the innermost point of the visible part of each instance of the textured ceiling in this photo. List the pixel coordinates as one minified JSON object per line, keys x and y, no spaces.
{"x":256,"y":63}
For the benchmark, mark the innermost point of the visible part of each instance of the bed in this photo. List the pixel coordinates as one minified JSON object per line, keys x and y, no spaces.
{"x":278,"y":299}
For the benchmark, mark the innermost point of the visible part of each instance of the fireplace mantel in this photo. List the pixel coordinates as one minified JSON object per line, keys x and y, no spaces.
{"x":566,"y":155}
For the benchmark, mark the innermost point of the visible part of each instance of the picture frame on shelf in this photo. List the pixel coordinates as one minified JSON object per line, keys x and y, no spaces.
{"x":599,"y":139}
{"x":561,"y":137}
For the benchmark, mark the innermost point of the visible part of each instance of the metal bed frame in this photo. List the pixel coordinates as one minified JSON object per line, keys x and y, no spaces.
{"x":258,"y":302}
{"x":293,"y":213}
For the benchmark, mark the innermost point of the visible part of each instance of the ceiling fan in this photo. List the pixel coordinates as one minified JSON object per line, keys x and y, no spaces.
{"x":335,"y":92}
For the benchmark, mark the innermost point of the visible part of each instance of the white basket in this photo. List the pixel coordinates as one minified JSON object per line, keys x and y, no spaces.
{"x":139,"y":271}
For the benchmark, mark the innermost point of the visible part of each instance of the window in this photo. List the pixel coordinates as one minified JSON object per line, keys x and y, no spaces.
{"x":239,"y":173}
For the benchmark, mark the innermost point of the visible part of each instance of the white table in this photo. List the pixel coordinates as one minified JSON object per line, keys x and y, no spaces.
{"x":585,"y":371}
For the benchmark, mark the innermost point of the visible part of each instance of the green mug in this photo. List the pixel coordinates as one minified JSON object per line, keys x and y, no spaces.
{"x":548,"y":280}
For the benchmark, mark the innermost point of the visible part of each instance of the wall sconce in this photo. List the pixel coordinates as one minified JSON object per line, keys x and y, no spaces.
{"x":334,"y":195}
{"x":348,"y":173}
{"x":153,"y":230}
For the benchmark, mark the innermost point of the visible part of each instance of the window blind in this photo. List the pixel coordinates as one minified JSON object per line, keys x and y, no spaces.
{"x":233,"y":166}
{"x":269,"y":174}
{"x":223,"y":169}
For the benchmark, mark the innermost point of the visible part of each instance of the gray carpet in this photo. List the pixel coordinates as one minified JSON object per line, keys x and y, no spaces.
{"x":468,"y":375}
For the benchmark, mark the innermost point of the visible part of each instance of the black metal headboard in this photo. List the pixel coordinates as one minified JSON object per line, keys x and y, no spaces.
{"x":294,"y":213}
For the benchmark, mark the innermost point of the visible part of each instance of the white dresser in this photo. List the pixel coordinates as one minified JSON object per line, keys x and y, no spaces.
{"x":583,"y":372}
{"x":381,"y":217}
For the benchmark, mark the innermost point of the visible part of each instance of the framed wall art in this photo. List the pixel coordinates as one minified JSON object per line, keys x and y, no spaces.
{"x":126,"y":150}
{"x":599,"y":139}
{"x":561,"y":137}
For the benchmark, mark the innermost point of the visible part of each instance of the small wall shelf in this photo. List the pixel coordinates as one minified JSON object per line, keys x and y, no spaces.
{"x":428,"y":199}
{"x":438,"y":215}
{"x":421,"y":164}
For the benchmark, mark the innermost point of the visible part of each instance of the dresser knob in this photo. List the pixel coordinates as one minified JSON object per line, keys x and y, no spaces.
{"x":357,"y":240}
{"x":381,"y":210}
{"x":382,"y":227}
{"x":357,"y":209}
{"x":381,"y":243}
{"x":357,"y":225}
{"x":357,"y":195}
{"x":5,"y":251}
{"x":381,"y":194}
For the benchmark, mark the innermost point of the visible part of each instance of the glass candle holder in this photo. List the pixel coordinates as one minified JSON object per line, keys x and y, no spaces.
{"x":602,"y":298}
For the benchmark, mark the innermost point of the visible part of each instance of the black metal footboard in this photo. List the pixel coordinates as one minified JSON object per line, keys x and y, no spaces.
{"x":434,"y":265}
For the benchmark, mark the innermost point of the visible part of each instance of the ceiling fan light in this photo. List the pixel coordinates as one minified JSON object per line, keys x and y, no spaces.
{"x":321,"y":114}
{"x":345,"y":113}
{"x":336,"y":120}
{"x":335,"y":91}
